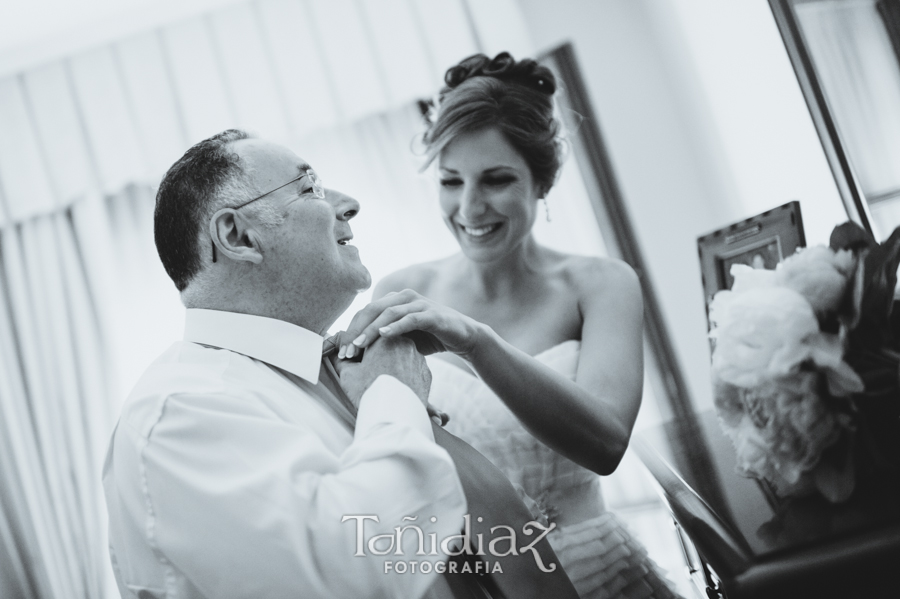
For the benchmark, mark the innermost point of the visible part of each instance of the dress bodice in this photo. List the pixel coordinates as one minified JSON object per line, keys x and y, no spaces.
{"x":481,"y":418}
{"x":599,"y":554}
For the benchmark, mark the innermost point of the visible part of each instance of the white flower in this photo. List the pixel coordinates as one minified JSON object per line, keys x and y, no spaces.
{"x":819,"y":274}
{"x":746,"y":277}
{"x":767,"y":332}
{"x":760,"y":333}
{"x":780,"y":430}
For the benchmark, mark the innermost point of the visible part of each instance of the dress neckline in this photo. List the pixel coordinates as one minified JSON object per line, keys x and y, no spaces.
{"x":555,"y":347}
{"x":536,"y":356}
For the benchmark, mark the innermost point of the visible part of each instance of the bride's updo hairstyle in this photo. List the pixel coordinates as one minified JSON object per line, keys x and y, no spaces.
{"x":516,"y":97}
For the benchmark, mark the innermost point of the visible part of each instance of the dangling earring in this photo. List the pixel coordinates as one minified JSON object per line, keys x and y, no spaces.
{"x":546,"y":209}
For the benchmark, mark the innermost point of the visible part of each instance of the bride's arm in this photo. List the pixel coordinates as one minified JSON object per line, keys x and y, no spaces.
{"x":589,"y":420}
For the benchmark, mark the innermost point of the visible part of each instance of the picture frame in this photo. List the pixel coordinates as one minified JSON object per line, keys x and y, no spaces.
{"x":761,"y":241}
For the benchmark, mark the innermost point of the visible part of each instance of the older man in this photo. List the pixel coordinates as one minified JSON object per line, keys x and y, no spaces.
{"x":242,"y":466}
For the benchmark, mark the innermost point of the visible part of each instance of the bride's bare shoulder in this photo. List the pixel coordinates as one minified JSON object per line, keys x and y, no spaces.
{"x":589,"y":275}
{"x":417,"y":277}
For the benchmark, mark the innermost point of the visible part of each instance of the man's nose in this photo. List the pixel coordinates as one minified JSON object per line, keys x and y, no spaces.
{"x":345,"y":207}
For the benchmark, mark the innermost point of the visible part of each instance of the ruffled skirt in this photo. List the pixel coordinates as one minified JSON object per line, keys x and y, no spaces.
{"x":604,"y":560}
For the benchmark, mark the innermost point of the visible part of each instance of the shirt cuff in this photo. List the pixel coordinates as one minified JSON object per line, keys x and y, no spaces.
{"x":388,"y":401}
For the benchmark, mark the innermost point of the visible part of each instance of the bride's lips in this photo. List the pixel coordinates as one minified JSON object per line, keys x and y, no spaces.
{"x":482,"y":232}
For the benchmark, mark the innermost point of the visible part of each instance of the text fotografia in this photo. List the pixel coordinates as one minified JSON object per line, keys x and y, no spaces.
{"x":498,"y":545}
{"x":441,"y":567}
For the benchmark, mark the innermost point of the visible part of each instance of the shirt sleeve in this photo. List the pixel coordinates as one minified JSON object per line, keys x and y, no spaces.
{"x":245,"y":504}
{"x":388,"y":401}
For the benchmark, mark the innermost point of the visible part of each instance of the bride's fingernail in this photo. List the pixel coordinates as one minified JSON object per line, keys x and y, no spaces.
{"x":385,"y":330}
{"x":351,"y":349}
{"x":342,"y":351}
{"x":359,"y":340}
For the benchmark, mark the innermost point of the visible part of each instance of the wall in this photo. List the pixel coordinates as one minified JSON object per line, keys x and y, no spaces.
{"x":706,"y":126}
{"x":760,"y":116}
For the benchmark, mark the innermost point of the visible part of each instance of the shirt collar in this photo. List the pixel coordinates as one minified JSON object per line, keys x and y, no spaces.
{"x":276,"y":342}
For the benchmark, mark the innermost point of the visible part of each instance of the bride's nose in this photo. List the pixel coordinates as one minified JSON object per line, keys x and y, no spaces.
{"x":471,"y":204}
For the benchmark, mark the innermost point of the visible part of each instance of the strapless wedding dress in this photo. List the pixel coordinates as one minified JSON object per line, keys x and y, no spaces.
{"x":599,"y":554}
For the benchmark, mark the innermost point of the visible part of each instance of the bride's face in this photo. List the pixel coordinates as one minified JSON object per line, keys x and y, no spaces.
{"x":488,"y":196}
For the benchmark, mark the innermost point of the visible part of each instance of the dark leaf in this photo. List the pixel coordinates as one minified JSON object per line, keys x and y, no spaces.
{"x":850,"y":236}
{"x":880,"y":279}
{"x":895,"y":325}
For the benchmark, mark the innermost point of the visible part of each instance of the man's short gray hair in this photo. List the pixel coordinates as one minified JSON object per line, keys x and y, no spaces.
{"x":209,"y":177}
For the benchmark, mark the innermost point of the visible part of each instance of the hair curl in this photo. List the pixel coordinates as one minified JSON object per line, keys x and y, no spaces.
{"x":516,"y":97}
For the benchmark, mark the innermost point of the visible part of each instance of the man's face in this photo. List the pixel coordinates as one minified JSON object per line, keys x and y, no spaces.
{"x":310,"y":250}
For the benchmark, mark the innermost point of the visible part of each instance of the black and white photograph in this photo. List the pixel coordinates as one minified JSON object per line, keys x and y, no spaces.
{"x":449,"y":299}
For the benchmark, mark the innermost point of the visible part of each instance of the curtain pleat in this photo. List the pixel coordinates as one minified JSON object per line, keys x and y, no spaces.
{"x":25,"y":425}
{"x":48,"y":373}
{"x":69,"y":164}
{"x":198,"y":79}
{"x":394,"y":33}
{"x":88,"y":415}
{"x":248,"y":72}
{"x":108,"y":119}
{"x":14,"y":575}
{"x":22,"y":171}
{"x":55,"y":406}
{"x":149,"y":93}
{"x":24,"y":538}
{"x":301,"y":74}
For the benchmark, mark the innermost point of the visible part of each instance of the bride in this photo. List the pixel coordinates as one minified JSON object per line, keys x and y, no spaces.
{"x":541,"y":367}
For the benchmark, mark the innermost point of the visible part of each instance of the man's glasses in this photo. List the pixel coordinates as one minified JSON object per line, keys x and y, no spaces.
{"x":317,"y":191}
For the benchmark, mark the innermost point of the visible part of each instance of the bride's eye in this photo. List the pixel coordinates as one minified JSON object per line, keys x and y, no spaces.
{"x":451,"y":182}
{"x":499,"y":181}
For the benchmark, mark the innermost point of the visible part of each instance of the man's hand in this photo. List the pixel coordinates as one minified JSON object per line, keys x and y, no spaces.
{"x":396,"y":357}
{"x":433,"y":326}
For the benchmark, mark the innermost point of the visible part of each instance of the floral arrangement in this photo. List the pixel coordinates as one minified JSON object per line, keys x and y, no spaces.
{"x":805,"y":366}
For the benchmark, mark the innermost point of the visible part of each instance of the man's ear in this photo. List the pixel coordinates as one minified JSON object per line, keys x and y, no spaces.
{"x":235,"y":237}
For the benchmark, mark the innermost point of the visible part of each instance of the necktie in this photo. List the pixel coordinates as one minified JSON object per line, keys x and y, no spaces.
{"x":492,"y":502}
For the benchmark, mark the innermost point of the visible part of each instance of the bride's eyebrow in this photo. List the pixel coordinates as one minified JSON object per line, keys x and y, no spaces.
{"x":487,"y":171}
{"x":493,"y":169}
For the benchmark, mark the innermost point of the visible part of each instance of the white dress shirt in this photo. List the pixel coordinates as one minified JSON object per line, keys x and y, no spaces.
{"x":228,"y":475}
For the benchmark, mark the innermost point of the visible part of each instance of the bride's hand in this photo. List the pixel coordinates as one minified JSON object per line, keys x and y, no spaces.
{"x":433,"y":327}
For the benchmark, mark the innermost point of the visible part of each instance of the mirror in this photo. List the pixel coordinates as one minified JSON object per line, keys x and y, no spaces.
{"x":845,"y":54}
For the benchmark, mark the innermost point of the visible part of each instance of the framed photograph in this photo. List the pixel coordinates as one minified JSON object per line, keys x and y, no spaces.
{"x":760,"y":242}
{"x":764,"y":254}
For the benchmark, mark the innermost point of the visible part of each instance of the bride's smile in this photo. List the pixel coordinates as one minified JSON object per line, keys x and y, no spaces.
{"x":488,"y":195}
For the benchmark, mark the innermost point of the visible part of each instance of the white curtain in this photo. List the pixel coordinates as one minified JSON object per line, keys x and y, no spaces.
{"x":56,"y":412}
{"x":76,"y":289}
